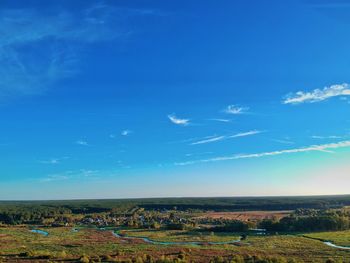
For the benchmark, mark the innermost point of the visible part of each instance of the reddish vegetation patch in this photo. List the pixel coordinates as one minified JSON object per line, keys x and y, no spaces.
{"x":246,"y":215}
{"x":97,"y":236}
{"x":191,"y":254}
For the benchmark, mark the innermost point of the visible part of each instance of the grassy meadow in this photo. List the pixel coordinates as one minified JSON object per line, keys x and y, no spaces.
{"x":18,"y":243}
{"x":269,"y":230}
{"x":341,"y":238}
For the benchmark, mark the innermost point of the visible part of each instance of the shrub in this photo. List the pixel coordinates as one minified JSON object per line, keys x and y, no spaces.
{"x":84,"y":259}
{"x":237,"y":259}
{"x":62,"y":254}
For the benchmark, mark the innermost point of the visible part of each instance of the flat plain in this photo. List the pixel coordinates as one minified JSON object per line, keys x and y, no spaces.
{"x":177,"y":230}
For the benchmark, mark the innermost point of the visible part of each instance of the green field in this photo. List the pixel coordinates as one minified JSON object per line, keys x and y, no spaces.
{"x":181,"y":236}
{"x":223,"y":230}
{"x":341,"y":238}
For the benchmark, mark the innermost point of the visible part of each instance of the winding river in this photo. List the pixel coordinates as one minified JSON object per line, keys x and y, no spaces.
{"x":327,"y":243}
{"x":196,"y":243}
{"x":330,"y":244}
{"x":154,"y":242}
{"x":41,"y":232}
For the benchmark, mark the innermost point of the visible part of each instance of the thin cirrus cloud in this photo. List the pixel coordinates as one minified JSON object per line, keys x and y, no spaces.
{"x":46,"y":46}
{"x":225,"y":137}
{"x":318,"y":95}
{"x":55,"y":177}
{"x":122,"y":133}
{"x":209,"y":140}
{"x":283,"y":141}
{"x":178,"y":121}
{"x":51,"y":161}
{"x":321,"y":148}
{"x":82,"y":142}
{"x":220,"y":120}
{"x":54,"y":160}
{"x":326,"y":137}
{"x":69,"y":175}
{"x":235,"y":110}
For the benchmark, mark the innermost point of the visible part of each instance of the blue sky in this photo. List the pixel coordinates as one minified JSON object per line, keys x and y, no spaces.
{"x":114,"y":99}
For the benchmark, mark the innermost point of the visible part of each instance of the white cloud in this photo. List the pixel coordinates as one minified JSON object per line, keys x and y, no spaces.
{"x":212,"y":139}
{"x":234,"y":109}
{"x":285,"y":141}
{"x":178,"y":121}
{"x":326,"y":137}
{"x":54,"y":160}
{"x":200,"y":153}
{"x":125,"y":133}
{"x":51,"y":161}
{"x":82,"y":142}
{"x":55,"y":177}
{"x":318,"y":94}
{"x":224,"y":137}
{"x":68,"y":175}
{"x":86,"y":173}
{"x":220,"y":120}
{"x":322,"y":148}
{"x":243,"y":134}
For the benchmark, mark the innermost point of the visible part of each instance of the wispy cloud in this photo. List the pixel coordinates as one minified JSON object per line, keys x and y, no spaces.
{"x":189,"y":140}
{"x":87,"y":173}
{"x":54,"y":160}
{"x":243,"y":134}
{"x":82,"y":142}
{"x":284,"y":141}
{"x":211,"y":139}
{"x":194,"y":154}
{"x":326,"y":137}
{"x":51,"y":161}
{"x":234,"y":109}
{"x":178,"y":121}
{"x":220,"y":120}
{"x":122,"y":133}
{"x":318,"y":94}
{"x":40,"y":47}
{"x":321,"y":148}
{"x":54,"y":177}
{"x":125,"y":133}
{"x":68,"y":175}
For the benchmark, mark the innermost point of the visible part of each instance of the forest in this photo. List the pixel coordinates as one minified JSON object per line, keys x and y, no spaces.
{"x":322,"y":213}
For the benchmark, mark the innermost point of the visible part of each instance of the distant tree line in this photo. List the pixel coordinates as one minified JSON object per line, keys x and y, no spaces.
{"x":102,"y":213}
{"x":202,"y":204}
{"x":309,"y":220}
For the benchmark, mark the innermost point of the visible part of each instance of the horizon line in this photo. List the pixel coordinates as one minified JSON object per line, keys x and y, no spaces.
{"x":173,"y":197}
